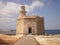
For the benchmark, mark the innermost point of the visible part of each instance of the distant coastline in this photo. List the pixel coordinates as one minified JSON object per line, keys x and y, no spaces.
{"x":52,"y":31}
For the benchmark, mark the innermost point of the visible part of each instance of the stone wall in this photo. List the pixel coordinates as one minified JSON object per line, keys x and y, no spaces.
{"x":48,"y":40}
{"x":40,"y":25}
{"x":20,"y":29}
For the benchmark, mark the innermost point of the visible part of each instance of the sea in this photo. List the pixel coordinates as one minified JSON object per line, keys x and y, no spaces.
{"x":54,"y":31}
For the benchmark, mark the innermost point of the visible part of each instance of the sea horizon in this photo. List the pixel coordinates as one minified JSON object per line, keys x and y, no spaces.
{"x":52,"y":31}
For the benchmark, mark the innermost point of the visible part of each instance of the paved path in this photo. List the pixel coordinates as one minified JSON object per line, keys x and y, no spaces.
{"x":26,"y":40}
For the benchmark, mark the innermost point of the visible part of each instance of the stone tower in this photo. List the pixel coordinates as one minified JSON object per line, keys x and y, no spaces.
{"x":29,"y":24}
{"x":22,"y":11}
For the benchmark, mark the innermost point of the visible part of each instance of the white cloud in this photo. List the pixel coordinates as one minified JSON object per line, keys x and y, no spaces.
{"x":35,"y":4}
{"x":1,"y":5}
{"x":7,"y":23}
{"x":10,"y":8}
{"x":6,"y":14}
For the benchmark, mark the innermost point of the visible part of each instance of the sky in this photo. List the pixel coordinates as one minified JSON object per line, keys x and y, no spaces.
{"x":49,"y":9}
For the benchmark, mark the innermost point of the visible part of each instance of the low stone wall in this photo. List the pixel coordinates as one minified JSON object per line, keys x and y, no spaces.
{"x":48,"y":40}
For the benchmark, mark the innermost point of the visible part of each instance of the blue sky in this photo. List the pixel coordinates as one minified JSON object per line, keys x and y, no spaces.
{"x":49,"y":9}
